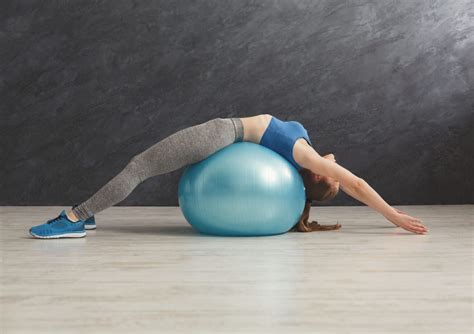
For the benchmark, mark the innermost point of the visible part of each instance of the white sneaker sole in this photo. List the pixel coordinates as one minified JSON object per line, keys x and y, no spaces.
{"x":66,"y":235}
{"x":90,"y":227}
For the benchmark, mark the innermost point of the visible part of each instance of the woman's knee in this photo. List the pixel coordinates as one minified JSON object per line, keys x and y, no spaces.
{"x":136,"y":167}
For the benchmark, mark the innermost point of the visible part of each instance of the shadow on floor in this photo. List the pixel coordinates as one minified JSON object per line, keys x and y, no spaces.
{"x":189,"y":231}
{"x":163,"y":230}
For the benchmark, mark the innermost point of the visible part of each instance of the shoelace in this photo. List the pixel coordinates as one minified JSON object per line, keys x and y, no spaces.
{"x":55,"y":219}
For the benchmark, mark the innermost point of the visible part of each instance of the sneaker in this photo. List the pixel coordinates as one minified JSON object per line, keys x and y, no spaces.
{"x":89,"y":223}
{"x":59,"y":227}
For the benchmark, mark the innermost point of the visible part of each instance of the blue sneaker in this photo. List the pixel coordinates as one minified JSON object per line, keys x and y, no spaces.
{"x":59,"y":227}
{"x":89,"y":224}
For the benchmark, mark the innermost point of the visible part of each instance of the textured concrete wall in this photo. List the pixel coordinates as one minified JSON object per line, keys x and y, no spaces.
{"x":388,"y":86}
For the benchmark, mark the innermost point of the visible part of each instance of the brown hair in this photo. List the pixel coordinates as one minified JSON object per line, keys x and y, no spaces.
{"x":319,"y":191}
{"x":316,"y":191}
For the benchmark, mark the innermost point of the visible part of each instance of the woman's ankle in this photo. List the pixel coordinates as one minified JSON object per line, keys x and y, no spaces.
{"x":71,"y":216}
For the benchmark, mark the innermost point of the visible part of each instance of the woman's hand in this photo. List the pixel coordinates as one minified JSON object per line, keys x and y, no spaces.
{"x":407,"y":222}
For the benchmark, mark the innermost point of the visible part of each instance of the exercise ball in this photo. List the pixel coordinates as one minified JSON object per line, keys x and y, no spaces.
{"x":244,"y":189}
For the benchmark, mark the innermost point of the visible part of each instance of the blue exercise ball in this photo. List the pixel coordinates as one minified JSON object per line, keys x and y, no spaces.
{"x":244,"y":189}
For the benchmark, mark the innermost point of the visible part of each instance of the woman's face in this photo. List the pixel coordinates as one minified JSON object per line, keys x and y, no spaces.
{"x":332,"y":183}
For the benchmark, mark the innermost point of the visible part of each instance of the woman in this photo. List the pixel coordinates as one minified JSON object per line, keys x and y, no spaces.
{"x":322,"y":176}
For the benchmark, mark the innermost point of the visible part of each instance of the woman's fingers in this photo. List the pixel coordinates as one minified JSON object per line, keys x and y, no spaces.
{"x":409,"y":223}
{"x":330,"y":157}
{"x":415,"y":228}
{"x":414,"y":225}
{"x":414,"y":220}
{"x":418,"y":224}
{"x":418,"y":228}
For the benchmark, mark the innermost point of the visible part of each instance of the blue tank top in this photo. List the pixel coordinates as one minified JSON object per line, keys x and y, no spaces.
{"x":281,"y":136}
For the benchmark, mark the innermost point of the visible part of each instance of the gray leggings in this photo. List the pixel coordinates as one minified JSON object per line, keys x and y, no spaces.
{"x":182,"y":148}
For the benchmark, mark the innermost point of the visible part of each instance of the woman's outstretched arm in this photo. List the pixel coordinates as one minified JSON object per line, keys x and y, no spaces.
{"x":355,"y":187}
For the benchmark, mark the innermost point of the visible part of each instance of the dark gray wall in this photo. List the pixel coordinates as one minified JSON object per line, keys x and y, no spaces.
{"x":385,"y":85}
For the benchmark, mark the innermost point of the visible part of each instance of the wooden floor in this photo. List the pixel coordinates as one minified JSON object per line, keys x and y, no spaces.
{"x":146,"y":270}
